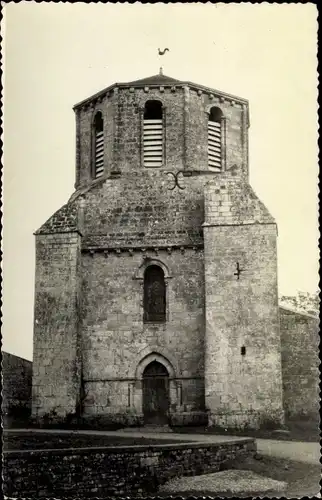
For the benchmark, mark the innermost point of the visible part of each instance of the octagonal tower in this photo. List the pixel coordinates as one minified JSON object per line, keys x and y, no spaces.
{"x":185,"y":112}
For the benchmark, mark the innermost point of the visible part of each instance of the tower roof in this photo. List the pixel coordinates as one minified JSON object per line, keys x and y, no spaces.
{"x":162,"y":80}
{"x":154,"y":80}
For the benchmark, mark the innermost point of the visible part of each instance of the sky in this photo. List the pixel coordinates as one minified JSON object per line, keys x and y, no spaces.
{"x":55,"y":55}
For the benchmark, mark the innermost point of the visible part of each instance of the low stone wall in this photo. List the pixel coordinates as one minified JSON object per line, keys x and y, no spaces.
{"x":101,"y":472}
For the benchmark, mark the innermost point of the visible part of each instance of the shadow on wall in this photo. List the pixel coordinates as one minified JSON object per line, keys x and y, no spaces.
{"x":16,"y":390}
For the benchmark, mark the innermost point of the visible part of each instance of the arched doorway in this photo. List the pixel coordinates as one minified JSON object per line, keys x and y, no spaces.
{"x":155,"y":394}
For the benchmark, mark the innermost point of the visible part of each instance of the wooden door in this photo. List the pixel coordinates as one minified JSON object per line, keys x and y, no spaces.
{"x":155,"y":394}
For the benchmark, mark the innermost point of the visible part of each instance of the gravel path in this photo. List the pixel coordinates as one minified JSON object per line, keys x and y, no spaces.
{"x":232,"y":481}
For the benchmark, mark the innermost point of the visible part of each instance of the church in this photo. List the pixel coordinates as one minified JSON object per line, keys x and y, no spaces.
{"x":156,"y":297}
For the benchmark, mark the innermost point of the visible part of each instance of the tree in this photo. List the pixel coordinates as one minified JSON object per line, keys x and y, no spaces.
{"x":303,"y":302}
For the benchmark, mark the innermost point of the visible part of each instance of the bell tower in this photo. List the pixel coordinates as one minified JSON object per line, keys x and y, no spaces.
{"x":163,"y":252}
{"x":157,"y":124}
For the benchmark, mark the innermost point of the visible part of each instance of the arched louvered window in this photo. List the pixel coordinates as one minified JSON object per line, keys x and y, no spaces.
{"x":215,"y":139}
{"x":98,"y":138}
{"x":153,"y":134}
{"x":154,"y":295}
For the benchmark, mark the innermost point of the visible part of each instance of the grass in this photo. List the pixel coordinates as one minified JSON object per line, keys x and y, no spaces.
{"x":41,"y":441}
{"x":304,"y":430}
{"x":302,"y":478}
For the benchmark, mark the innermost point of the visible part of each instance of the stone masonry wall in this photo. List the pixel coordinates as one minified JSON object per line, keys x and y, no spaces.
{"x":115,"y":339}
{"x":235,"y":132}
{"x":17,"y":380}
{"x":141,"y":210}
{"x":186,"y":135}
{"x":126,"y":221}
{"x":102,"y":472}
{"x":300,"y":364}
{"x":84,"y":139}
{"x":55,"y":363}
{"x":130,"y":122}
{"x":241,"y":388}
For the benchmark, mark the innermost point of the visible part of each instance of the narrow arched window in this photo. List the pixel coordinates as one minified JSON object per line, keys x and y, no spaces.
{"x":153,"y":134}
{"x":98,"y":138}
{"x":154,"y":295}
{"x":215,"y":139}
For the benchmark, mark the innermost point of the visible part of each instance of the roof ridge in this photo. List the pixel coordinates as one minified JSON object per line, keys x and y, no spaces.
{"x":153,"y":78}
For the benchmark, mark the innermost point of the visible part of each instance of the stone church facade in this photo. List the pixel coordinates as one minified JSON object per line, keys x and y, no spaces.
{"x":156,"y":283}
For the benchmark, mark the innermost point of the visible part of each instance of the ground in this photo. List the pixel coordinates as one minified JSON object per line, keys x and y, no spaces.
{"x":226,"y":482}
{"x":298,"y":430}
{"x":302,"y":478}
{"x":32,"y":441}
